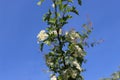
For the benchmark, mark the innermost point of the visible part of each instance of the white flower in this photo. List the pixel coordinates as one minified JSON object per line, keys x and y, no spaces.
{"x":42,"y":35}
{"x":73,"y":35}
{"x":53,"y":78}
{"x":66,"y":33}
{"x":78,"y":48}
{"x":60,"y":31}
{"x":75,"y":63}
{"x":53,"y":5}
{"x":50,"y":63}
{"x":77,"y":35}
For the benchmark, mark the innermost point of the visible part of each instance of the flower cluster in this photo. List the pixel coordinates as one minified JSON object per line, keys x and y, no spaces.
{"x":72,"y":35}
{"x":42,"y":35}
{"x":75,"y":63}
{"x":78,"y":48}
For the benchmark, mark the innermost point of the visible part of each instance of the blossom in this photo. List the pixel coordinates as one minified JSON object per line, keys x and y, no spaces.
{"x":72,"y":34}
{"x":42,"y":35}
{"x":53,"y":78}
{"x":51,"y":63}
{"x":60,"y":31}
{"x":53,"y":5}
{"x":78,"y":48}
{"x":66,"y":33}
{"x":75,"y":63}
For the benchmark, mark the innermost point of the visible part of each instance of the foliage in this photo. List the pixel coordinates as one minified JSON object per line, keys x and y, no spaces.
{"x":114,"y":76}
{"x":67,"y":49}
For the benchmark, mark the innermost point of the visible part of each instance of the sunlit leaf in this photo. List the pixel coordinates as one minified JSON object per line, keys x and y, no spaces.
{"x":73,"y":9}
{"x":40,"y":2}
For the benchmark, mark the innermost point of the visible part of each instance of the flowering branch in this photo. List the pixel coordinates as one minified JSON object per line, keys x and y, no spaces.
{"x":65,"y":64}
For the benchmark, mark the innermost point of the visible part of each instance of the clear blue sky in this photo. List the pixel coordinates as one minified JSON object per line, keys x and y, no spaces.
{"x":20,"y":22}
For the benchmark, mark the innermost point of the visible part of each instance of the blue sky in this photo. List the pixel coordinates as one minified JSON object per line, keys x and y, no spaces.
{"x":20,"y":22}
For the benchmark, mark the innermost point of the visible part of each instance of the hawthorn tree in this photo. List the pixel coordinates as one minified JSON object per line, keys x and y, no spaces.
{"x":67,"y":48}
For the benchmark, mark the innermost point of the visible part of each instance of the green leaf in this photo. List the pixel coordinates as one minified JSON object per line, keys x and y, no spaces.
{"x":52,"y":21}
{"x":47,"y":16}
{"x":65,"y":18}
{"x":73,"y":9}
{"x":40,"y":2}
{"x":70,"y":0}
{"x":59,"y":77}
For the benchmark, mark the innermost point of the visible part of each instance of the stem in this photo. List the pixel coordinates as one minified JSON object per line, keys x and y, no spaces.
{"x":58,"y":35}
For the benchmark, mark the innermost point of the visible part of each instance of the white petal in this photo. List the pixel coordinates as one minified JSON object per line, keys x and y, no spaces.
{"x":53,"y":78}
{"x":42,"y":35}
{"x":53,"y":5}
